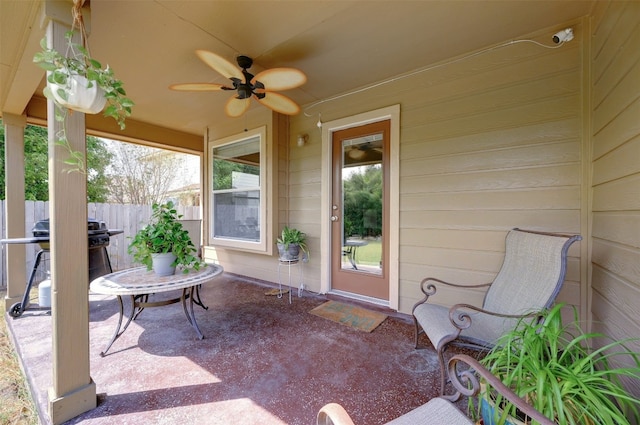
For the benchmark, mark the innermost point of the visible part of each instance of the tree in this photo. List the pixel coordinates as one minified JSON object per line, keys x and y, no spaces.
{"x":37,"y":169}
{"x":363,"y":202}
{"x":141,"y":175}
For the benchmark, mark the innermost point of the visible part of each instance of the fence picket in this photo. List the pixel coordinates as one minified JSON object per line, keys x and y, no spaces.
{"x":130,"y":218}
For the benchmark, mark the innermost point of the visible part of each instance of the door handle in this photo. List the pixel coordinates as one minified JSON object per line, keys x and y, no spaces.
{"x":334,"y":218}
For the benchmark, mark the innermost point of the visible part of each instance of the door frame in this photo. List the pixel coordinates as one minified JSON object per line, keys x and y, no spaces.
{"x":391,"y":113}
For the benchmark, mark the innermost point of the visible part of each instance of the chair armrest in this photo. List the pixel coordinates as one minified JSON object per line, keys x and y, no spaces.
{"x":429,"y":289}
{"x":467,"y":384}
{"x":333,"y":414}
{"x":460,"y":318}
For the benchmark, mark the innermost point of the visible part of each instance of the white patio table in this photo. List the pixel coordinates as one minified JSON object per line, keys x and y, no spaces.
{"x":138,"y":283}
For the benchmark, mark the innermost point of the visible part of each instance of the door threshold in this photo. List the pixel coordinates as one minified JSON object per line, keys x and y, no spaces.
{"x":361,"y":298}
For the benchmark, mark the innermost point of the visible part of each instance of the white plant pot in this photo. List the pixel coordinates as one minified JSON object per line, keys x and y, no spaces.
{"x":162,"y":264}
{"x":81,"y":98}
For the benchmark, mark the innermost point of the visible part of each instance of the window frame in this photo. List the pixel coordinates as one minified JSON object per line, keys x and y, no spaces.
{"x":261,"y":245}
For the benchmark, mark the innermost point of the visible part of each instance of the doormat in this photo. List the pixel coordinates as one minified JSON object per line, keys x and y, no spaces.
{"x":349,"y":315}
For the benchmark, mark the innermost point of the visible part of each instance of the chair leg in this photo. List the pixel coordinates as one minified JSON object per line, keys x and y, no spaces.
{"x":417,"y":332}
{"x":443,"y":369}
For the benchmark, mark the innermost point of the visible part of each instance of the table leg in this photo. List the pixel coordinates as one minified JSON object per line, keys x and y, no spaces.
{"x":119,"y":331}
{"x":197,"y":299}
{"x":188,"y":310}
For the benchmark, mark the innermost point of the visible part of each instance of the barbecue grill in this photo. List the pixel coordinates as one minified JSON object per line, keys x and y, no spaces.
{"x":99,"y":263}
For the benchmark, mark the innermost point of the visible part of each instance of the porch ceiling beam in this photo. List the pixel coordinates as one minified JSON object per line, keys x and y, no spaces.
{"x":135,"y":132}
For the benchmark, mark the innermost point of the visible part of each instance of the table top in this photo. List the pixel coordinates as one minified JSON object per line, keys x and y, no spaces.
{"x":355,"y":242}
{"x":140,"y":281}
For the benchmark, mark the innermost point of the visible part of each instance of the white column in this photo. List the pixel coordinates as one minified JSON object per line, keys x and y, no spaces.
{"x":14,"y":219}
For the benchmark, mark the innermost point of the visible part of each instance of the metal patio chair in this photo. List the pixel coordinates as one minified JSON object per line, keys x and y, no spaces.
{"x":466,"y":373}
{"x":529,"y":281}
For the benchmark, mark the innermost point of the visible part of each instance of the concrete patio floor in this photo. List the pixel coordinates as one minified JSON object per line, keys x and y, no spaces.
{"x":263,"y":361}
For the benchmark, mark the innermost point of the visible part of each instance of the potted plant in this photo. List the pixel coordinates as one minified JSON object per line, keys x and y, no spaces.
{"x":77,"y":81}
{"x":290,"y":243}
{"x":164,"y":244}
{"x":555,"y":369}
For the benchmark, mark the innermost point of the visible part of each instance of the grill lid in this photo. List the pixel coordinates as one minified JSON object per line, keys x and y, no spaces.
{"x":94,"y":227}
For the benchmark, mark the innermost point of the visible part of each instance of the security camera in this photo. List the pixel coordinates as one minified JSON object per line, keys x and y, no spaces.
{"x":563,"y":36}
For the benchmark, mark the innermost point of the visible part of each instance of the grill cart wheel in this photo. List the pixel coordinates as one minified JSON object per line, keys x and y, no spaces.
{"x":16,"y":310}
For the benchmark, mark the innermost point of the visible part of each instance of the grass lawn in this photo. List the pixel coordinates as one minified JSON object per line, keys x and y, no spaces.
{"x":16,"y":405}
{"x":370,"y":253}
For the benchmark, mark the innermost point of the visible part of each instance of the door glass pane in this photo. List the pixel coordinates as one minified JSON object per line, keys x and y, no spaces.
{"x":362,"y":196}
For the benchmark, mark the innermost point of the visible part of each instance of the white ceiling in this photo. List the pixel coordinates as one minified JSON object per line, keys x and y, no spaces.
{"x":339,"y":45}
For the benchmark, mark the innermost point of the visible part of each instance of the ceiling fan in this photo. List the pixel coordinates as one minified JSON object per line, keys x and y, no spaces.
{"x":262,"y":86}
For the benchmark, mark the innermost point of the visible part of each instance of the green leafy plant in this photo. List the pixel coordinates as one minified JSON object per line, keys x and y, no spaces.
{"x":164,"y":234}
{"x":554,"y":367}
{"x":77,"y":61}
{"x":288,"y":240}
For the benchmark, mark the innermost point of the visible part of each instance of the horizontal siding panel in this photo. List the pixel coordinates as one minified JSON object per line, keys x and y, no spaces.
{"x":499,"y":98}
{"x":454,"y":239}
{"x":613,"y":35}
{"x":623,"y":128}
{"x":619,"y":96}
{"x":563,"y":221}
{"x":414,"y":143}
{"x":516,"y":116}
{"x":609,"y":321}
{"x":518,"y":157}
{"x":563,"y":198}
{"x":623,"y":228}
{"x":484,"y":261}
{"x":619,"y":195}
{"x":553,"y":176}
{"x":621,"y":162}
{"x":620,"y":260}
{"x":622,"y":294}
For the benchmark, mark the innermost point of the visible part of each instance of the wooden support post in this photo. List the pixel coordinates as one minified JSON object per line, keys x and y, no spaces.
{"x":14,"y":219}
{"x":73,"y":391}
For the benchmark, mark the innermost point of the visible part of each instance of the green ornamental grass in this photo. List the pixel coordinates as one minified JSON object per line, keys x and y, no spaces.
{"x":554,"y":368}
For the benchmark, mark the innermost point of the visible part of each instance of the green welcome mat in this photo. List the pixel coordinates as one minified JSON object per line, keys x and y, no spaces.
{"x":349,"y":315}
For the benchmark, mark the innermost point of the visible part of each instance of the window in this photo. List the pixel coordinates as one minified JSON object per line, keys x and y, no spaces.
{"x":238,"y":212}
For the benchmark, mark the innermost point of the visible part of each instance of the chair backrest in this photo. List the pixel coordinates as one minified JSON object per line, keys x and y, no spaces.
{"x":529,"y":280}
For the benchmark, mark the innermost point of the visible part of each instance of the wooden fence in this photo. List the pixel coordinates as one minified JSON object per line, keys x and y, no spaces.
{"x":129,"y":218}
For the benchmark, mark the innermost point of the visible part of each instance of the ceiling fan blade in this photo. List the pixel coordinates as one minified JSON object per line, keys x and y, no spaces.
{"x":279,"y":103}
{"x":220,"y":64}
{"x":277,"y":79}
{"x":236,"y":107}
{"x":198,"y":87}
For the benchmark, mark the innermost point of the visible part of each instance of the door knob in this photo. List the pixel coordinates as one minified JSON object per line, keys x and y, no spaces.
{"x":334,"y":218}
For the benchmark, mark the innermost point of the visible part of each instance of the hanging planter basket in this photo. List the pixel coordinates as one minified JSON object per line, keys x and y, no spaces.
{"x":78,"y":96}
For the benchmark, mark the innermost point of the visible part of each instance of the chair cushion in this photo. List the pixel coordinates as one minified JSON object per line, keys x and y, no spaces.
{"x":434,"y":319}
{"x":437,"y":411}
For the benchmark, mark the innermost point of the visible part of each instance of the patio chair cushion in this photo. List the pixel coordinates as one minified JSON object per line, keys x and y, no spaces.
{"x":437,"y":411}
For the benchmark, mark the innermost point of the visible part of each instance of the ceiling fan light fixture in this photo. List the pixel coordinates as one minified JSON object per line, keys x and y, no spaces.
{"x":263,"y":86}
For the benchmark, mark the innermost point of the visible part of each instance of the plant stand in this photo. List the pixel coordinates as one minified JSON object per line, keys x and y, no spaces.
{"x":288,"y":264}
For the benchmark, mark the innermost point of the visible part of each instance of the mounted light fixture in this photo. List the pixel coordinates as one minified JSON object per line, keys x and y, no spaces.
{"x":302,"y":139}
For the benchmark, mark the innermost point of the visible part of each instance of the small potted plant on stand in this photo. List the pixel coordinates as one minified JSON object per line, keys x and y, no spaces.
{"x":556,"y":370}
{"x":290,"y":243}
{"x":76,"y":81}
{"x":164,"y":244}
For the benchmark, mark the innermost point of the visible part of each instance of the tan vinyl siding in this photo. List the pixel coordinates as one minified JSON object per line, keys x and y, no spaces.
{"x":488,"y":143}
{"x":615,"y":97}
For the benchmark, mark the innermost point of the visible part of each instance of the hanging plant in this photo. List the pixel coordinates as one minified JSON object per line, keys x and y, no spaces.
{"x":76,"y":81}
